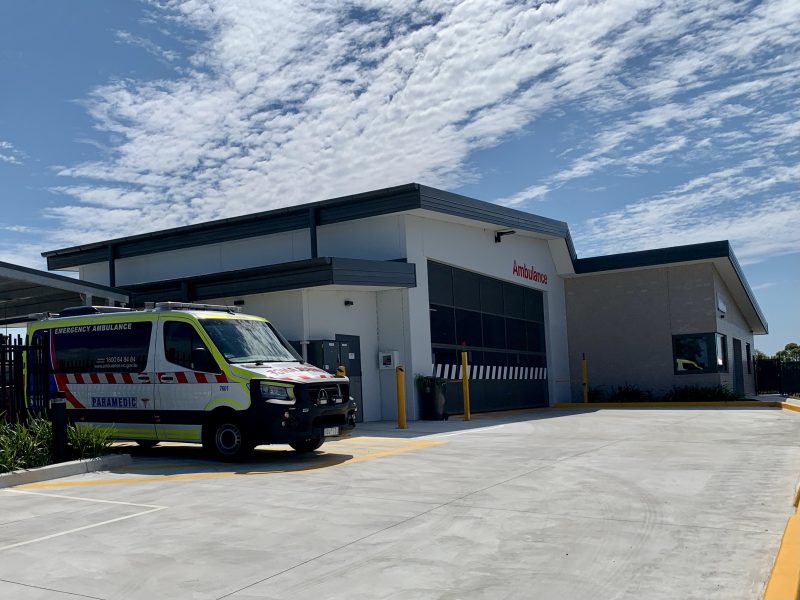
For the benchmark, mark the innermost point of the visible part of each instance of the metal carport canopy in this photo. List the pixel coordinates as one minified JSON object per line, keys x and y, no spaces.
{"x":24,"y":291}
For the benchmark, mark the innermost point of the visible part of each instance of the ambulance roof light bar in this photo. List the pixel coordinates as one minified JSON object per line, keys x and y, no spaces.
{"x":193,"y":306}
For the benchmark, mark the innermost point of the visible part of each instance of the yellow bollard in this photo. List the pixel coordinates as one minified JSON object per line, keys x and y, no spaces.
{"x":401,"y":397}
{"x":584,"y":378}
{"x":341,"y":371}
{"x":465,"y":386}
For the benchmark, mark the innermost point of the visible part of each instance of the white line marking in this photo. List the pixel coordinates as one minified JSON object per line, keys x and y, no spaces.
{"x":152,"y":508}
{"x":83,"y":499}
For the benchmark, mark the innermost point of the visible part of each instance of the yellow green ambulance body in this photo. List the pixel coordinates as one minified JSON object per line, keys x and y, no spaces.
{"x":191,"y":373}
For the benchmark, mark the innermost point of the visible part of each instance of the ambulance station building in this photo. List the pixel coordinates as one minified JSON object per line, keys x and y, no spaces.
{"x":413,"y":275}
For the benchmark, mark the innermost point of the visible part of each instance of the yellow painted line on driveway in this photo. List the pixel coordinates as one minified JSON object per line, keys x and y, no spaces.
{"x":327,"y":460}
{"x":784,"y":581}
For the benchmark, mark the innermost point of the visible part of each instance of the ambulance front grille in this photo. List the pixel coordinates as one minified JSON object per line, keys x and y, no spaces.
{"x":325,"y":394}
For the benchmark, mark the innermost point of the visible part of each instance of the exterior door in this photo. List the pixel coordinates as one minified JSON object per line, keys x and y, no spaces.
{"x":738,"y":373}
{"x":185,"y":371}
{"x":350,"y":359}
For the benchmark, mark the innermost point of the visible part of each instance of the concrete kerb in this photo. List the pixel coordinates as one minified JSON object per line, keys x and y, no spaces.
{"x":66,"y":469}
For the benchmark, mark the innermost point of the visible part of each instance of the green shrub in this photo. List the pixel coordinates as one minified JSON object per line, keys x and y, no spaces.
{"x":25,"y":446}
{"x":698,"y":393}
{"x":596,"y":395}
{"x":29,"y":445}
{"x":88,"y":442}
{"x":629,"y":393}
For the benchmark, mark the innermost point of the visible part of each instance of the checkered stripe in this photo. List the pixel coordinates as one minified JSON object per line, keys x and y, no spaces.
{"x":491,"y":372}
{"x":192,"y":377}
{"x":131,"y":378}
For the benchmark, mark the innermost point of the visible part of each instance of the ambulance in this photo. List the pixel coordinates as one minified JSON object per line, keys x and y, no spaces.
{"x":182,"y":372}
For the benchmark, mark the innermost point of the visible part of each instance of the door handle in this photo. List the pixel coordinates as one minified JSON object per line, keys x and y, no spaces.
{"x":143,"y":377}
{"x":166,"y":378}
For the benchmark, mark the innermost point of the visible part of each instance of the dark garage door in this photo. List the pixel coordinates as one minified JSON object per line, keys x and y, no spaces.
{"x":501,"y":326}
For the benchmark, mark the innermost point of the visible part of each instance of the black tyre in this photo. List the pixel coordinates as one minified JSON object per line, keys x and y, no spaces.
{"x":226,"y":439}
{"x":307,"y":445}
{"x":147,"y":444}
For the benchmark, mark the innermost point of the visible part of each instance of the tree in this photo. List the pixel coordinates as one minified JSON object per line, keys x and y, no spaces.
{"x":790,"y":352}
{"x":759,"y":355}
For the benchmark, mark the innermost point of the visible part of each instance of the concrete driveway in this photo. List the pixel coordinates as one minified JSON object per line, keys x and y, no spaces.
{"x":608,"y":504}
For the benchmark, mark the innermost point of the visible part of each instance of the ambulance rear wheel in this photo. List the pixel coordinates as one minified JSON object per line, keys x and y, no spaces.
{"x":307,"y":445}
{"x":226,"y":439}
{"x":147,"y":444}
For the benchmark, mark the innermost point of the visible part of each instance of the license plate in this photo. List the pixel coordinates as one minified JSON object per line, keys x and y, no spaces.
{"x":331,"y":431}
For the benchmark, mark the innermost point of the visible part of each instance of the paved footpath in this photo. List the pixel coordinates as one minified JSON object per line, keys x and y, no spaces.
{"x":612,"y":504}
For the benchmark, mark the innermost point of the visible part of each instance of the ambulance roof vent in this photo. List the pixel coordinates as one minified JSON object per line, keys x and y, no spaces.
{"x":193,"y":306}
{"x":76,"y":311}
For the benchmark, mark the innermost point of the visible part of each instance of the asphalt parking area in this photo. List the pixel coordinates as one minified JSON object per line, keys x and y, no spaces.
{"x":608,"y":504}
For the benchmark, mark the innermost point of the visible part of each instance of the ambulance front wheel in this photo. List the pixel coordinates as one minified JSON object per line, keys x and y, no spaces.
{"x":147,"y":444}
{"x":226,"y":439}
{"x":307,"y":445}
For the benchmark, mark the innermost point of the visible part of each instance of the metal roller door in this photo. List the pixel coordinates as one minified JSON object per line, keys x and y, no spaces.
{"x":501,"y":326}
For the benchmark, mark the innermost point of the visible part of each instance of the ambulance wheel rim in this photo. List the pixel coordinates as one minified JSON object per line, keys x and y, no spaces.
{"x":228,"y":438}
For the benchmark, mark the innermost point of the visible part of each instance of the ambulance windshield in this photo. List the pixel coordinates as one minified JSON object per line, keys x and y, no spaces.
{"x":246,"y":341}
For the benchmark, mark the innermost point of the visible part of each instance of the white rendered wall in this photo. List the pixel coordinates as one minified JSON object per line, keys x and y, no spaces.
{"x":375,"y":238}
{"x":327,"y":316}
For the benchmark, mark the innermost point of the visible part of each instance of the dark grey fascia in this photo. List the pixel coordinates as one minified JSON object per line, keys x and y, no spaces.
{"x":666,"y":256}
{"x":477,"y":210}
{"x":346,"y":208}
{"x":274,"y":278}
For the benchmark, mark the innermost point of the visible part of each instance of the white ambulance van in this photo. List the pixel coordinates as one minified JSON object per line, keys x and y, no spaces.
{"x":191,"y":373}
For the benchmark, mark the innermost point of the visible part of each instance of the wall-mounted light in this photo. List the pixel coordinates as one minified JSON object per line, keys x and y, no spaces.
{"x":349,"y":303}
{"x":498,"y":235}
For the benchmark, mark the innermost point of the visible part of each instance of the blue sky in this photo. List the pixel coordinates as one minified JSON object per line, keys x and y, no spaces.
{"x":641,"y":123}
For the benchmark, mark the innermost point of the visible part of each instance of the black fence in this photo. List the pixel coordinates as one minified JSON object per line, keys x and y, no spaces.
{"x":15,"y":355}
{"x":774,"y":376}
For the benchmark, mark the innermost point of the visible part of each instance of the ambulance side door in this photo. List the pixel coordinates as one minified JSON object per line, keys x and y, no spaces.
{"x":184,"y":377}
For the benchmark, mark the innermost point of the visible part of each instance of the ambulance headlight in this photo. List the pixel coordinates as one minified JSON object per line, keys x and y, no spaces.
{"x":275,"y":394}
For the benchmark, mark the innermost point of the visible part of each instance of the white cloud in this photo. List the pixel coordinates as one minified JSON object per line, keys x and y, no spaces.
{"x":291,"y":102}
{"x":9,"y":154}
{"x":149,"y":46}
{"x":296,"y":102}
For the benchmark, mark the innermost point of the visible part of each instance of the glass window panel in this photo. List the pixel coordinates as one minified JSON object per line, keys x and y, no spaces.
{"x":466,"y":289}
{"x":494,"y":331}
{"x":443,"y":324}
{"x":491,"y":296}
{"x":247,"y":340}
{"x":534,"y":305}
{"x":468,"y":328}
{"x":513,"y":301}
{"x":102,"y":347}
{"x":693,"y":353}
{"x":722,"y":353}
{"x":440,"y":284}
{"x":495,"y":358}
{"x":515,"y":334}
{"x":534,"y":333}
{"x":184,"y":347}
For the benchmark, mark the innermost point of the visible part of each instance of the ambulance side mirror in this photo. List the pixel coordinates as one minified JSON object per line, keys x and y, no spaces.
{"x":203,"y":361}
